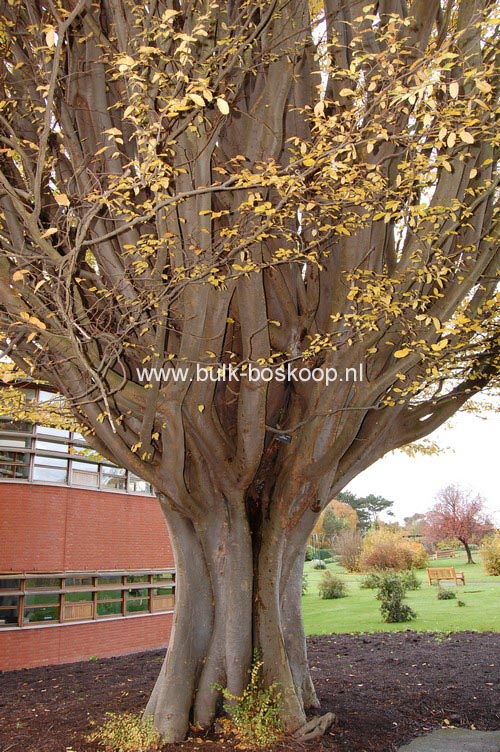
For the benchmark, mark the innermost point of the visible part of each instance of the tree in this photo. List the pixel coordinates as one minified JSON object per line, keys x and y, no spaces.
{"x":334,"y":519}
{"x":367,"y":508}
{"x":235,"y":186}
{"x":458,"y":514}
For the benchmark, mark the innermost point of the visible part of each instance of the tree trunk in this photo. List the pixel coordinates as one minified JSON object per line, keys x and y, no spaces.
{"x":236,"y":592}
{"x":470,"y":560}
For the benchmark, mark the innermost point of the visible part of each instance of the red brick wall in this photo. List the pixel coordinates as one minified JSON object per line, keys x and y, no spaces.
{"x":41,"y":646}
{"x":56,"y":528}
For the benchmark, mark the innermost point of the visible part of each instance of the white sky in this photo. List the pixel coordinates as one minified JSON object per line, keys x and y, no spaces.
{"x":471,"y":459}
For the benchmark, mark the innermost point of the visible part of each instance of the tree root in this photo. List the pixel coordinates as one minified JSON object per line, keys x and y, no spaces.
{"x":317,"y":726}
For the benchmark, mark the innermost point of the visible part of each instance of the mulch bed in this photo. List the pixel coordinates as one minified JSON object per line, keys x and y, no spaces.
{"x":385,"y":689}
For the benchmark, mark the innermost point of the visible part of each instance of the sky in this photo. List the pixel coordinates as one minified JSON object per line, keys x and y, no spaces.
{"x":471,"y":458}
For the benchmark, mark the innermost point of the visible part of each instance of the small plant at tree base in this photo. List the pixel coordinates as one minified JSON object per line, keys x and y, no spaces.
{"x":446,"y":594}
{"x":127,"y":732}
{"x":332,"y":586}
{"x":318,"y":564}
{"x":391,"y":593}
{"x":254,"y":718}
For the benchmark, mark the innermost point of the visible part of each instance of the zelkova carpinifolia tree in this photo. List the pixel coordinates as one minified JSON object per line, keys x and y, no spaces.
{"x":459,"y":514}
{"x":250,"y":184}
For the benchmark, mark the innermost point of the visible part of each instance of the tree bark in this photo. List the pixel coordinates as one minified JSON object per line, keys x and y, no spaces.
{"x":236,"y":593}
{"x":470,"y":560}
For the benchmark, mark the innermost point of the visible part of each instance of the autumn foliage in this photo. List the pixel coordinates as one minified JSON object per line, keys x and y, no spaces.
{"x":457,"y":514}
{"x":388,"y":549}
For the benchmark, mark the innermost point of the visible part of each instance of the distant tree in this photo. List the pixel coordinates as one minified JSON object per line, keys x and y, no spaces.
{"x":336,"y":518}
{"x":458,"y":514}
{"x":413,"y":525}
{"x":368,"y":507}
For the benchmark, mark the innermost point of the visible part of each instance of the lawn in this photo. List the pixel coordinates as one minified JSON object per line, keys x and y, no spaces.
{"x":359,"y":611}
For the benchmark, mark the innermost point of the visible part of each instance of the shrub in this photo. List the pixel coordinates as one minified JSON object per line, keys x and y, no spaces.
{"x":305,"y":583}
{"x":490,"y":554}
{"x":332,"y":586}
{"x":410,"y":580}
{"x":127,"y":732}
{"x":370,"y":581}
{"x":445,"y":594}
{"x":324,"y":554}
{"x":391,"y":593}
{"x":461,"y":604}
{"x":385,"y":549}
{"x":309,"y":553}
{"x":347,"y":546}
{"x":318,"y":564}
{"x":254,"y":718}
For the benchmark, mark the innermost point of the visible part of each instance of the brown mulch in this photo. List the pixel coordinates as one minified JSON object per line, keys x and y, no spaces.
{"x":385,"y":689}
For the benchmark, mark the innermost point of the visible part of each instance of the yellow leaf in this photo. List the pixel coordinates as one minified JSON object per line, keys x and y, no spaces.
{"x":222,"y":105}
{"x":18,"y":276}
{"x":48,"y":232}
{"x":201,"y":408}
{"x":402,"y":353}
{"x":472,"y":173}
{"x":450,"y":141}
{"x":346,"y":93}
{"x":439,"y":345}
{"x":483,"y":86}
{"x":319,"y":108}
{"x":466,"y":137}
{"x":197,"y":99}
{"x":61,"y":199}
{"x":454,"y":89}
{"x":50,"y":36}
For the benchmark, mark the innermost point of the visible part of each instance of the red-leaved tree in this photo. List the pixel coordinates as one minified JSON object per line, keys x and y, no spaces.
{"x":458,"y":514}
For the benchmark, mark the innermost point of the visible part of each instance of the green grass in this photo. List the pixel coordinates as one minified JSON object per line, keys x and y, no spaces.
{"x":359,"y":612}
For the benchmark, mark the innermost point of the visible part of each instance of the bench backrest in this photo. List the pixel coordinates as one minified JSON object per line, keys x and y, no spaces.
{"x":442,"y":572}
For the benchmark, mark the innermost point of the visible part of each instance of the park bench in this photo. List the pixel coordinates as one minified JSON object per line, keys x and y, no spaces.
{"x":445,"y":573}
{"x":445,"y":553}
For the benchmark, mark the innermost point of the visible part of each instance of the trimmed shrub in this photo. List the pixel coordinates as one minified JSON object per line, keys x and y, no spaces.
{"x":347,"y":546}
{"x":490,"y":554}
{"x":324,"y":554}
{"x":385,"y":549}
{"x":445,"y":594}
{"x":318,"y":564}
{"x":391,"y":593}
{"x":332,"y":586}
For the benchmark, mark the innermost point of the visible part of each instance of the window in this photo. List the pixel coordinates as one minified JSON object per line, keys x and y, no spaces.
{"x":34,"y":600}
{"x":55,"y":455}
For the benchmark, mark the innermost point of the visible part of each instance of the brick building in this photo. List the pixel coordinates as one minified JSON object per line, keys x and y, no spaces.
{"x":86,"y":567}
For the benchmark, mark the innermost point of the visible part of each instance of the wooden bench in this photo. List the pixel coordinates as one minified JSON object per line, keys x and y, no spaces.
{"x":444,"y":554}
{"x":445,"y":573}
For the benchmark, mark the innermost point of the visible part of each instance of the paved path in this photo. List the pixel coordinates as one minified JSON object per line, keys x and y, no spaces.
{"x":455,"y":740}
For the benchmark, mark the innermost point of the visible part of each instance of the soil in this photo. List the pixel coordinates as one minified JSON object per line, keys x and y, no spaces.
{"x":385,"y":689}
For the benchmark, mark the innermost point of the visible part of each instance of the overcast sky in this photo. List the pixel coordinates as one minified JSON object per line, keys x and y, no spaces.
{"x":471,"y":458}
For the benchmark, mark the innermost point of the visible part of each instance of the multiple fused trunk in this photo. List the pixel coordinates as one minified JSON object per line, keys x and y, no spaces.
{"x":238,"y":591}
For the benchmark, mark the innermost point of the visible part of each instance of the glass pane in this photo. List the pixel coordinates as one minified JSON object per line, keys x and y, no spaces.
{"x":137,"y":578}
{"x":60,"y":433}
{"x":81,"y":476}
{"x":77,"y":597}
{"x":55,"y":474}
{"x":115,"y":480}
{"x":163,"y":591}
{"x":138,"y":486}
{"x":14,"y":465}
{"x":109,"y":609}
{"x":163,"y":576}
{"x":105,"y":595}
{"x":6,"y":583}
{"x":15,"y":425}
{"x":138,"y":593}
{"x":141,"y":604}
{"x":16,"y":442}
{"x":49,"y":599}
{"x":51,"y":446}
{"x":78,"y":582}
{"x":8,"y":610}
{"x":43,"y":582}
{"x":49,"y":613}
{"x":109,"y":580}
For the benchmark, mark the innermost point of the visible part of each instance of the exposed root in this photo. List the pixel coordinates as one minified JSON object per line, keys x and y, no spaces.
{"x":315,"y":727}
